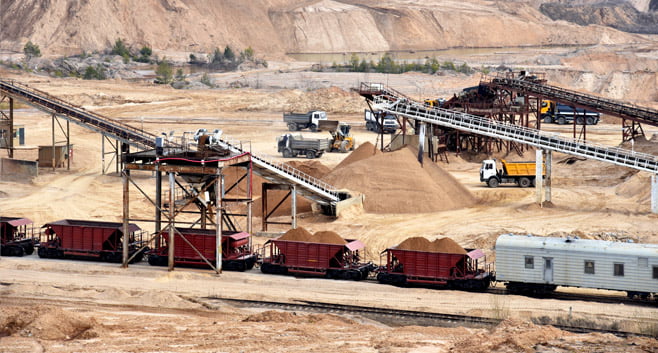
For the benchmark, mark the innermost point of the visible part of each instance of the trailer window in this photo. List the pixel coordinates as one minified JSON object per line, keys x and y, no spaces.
{"x":619,"y":269}
{"x":529,"y":262}
{"x":655,"y":272}
{"x":589,"y":267}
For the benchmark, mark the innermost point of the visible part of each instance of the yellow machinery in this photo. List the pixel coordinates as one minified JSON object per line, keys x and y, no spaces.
{"x":341,"y":139}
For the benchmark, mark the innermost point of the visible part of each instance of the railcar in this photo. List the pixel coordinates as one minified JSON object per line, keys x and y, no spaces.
{"x":456,"y":271}
{"x":538,"y":265}
{"x":14,"y":237}
{"x":200,"y":244}
{"x":90,"y":239}
{"x":338,"y":261}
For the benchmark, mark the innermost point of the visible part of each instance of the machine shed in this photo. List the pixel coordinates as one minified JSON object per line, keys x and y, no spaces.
{"x":575,"y":262}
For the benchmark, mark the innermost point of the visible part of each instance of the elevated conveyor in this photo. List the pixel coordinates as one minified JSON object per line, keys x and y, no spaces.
{"x":387,"y":100}
{"x":309,"y":187}
{"x":578,"y":99}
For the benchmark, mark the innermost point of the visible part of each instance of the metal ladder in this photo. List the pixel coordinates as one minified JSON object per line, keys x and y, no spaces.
{"x":389,"y":102}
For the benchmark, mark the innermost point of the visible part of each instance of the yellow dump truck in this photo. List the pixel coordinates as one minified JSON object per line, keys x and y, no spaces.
{"x":520,"y":173}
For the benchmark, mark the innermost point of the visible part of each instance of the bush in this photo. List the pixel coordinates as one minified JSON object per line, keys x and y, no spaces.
{"x":145,"y":55}
{"x":31,"y":50}
{"x":164,"y":72}
{"x":94,"y":73}
{"x":120,"y":49}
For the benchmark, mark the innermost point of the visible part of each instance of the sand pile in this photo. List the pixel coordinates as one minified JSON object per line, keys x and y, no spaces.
{"x":323,"y":237}
{"x":444,"y":245}
{"x":45,"y":323}
{"x":366,"y":150}
{"x":396,"y":183}
{"x":295,"y":318}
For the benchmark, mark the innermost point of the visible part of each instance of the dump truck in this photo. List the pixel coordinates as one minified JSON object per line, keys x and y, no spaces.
{"x":310,"y":120}
{"x":341,"y":139}
{"x":520,"y":173}
{"x":290,"y":146}
{"x":552,"y":112}
{"x":374,"y":122}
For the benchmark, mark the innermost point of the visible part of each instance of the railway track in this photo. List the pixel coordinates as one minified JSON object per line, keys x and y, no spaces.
{"x":393,"y":317}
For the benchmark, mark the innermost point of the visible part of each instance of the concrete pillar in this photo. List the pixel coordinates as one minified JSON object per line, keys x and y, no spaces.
{"x":548,"y":161}
{"x":654,"y":193}
{"x":539,"y":157}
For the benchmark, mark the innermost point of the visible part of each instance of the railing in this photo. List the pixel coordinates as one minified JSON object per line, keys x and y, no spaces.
{"x":506,"y":131}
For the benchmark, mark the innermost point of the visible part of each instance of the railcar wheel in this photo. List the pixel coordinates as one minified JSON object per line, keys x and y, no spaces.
{"x":42,"y":252}
{"x":29,"y":250}
{"x":18,"y":251}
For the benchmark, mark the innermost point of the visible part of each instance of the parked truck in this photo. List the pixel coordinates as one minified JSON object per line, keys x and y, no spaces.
{"x":310,"y":120}
{"x":374,"y":122}
{"x":290,"y":145}
{"x":521,"y":173}
{"x":555,"y":112}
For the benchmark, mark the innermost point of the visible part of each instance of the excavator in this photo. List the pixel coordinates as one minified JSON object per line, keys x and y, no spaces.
{"x":341,"y":139}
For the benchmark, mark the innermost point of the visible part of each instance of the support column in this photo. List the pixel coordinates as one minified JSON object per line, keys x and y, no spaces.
{"x":158,"y":204}
{"x":294,"y":206}
{"x":654,"y":193}
{"x":219,"y":209}
{"x":539,"y":161}
{"x":11,"y":127}
{"x":52,"y":133}
{"x":548,"y":162}
{"x":126,"y":216}
{"x":172,"y":229}
{"x":102,"y":154}
{"x":68,"y":145}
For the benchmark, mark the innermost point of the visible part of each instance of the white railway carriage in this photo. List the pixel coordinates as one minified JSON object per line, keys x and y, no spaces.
{"x":537,"y":265}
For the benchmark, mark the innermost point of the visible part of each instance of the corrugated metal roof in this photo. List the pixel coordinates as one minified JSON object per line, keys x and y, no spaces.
{"x":476,"y":254}
{"x":238,"y":236}
{"x":16,"y":221}
{"x":576,"y":244}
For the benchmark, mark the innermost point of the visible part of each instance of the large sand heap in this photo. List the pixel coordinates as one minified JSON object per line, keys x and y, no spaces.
{"x":444,"y":245}
{"x":323,"y":237}
{"x":396,"y":183}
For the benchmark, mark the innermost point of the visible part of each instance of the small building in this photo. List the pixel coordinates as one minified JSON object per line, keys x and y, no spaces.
{"x":61,"y":155}
{"x":18,"y":135}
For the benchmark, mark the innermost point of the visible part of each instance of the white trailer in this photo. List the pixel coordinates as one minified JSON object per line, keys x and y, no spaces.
{"x":537,"y":265}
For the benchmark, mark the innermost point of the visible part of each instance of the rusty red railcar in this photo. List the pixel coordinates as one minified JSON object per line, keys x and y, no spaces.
{"x":459,"y":271}
{"x":14,"y":237}
{"x":198,"y":244}
{"x":90,"y":239}
{"x":340,"y":261}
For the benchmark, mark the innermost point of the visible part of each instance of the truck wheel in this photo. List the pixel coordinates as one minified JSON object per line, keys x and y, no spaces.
{"x":492,"y":182}
{"x":287,"y":153}
{"x":310,"y":154}
{"x":314,"y":128}
{"x":343,"y":147}
{"x":590,"y":121}
{"x":548,"y":119}
{"x":561,"y":120}
{"x":580,"y":120}
{"x":292,"y":127}
{"x":524,"y":182}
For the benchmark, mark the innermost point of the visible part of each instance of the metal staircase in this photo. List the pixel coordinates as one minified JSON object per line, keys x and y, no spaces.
{"x":308,"y":186}
{"x":387,"y":100}
{"x":587,"y":101}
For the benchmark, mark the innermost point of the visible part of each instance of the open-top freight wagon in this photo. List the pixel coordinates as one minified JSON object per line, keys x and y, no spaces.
{"x":237,"y":254}
{"x":90,"y":239}
{"x":339,"y":261}
{"x":452,"y":269}
{"x":14,"y":238}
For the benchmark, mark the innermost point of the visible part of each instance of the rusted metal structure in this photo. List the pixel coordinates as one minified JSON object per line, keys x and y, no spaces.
{"x":198,"y":196}
{"x":105,"y":241}
{"x":15,"y":237}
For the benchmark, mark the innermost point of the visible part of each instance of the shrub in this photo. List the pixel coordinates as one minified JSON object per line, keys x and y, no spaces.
{"x":31,"y":50}
{"x":120,"y":49}
{"x":164,"y":72}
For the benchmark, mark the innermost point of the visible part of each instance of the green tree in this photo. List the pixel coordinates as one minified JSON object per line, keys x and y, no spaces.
{"x":164,"y":72}
{"x":354,"y":62}
{"x":120,"y":48}
{"x":247,"y":54}
{"x":217,"y":56}
{"x":31,"y":50}
{"x":145,"y":54}
{"x":94,"y":73}
{"x":180,"y":76}
{"x":229,"y":54}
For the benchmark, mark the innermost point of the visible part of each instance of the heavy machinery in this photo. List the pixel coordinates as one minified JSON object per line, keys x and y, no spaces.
{"x":552,"y":112}
{"x":521,"y":173}
{"x":291,"y":146}
{"x":387,"y":124}
{"x":14,"y":238}
{"x":310,"y":120}
{"x":341,"y":139}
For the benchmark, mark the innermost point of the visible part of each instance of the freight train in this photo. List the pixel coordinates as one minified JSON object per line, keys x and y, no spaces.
{"x":525,"y":264}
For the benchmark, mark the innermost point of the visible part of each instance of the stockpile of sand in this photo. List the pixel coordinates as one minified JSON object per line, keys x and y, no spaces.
{"x":444,"y":245}
{"x":323,"y":237}
{"x":396,"y":183}
{"x":366,"y":150}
